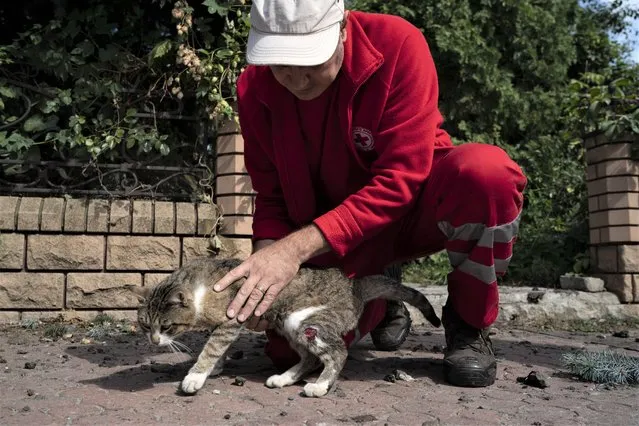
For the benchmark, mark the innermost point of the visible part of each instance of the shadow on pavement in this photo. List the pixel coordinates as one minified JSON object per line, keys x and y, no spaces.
{"x":420,"y":357}
{"x":140,"y":377}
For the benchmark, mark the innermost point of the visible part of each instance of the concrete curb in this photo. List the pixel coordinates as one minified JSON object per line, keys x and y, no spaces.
{"x":528,"y":305}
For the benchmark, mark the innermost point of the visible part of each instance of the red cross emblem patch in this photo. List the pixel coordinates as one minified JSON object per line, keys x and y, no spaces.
{"x":363,"y":139}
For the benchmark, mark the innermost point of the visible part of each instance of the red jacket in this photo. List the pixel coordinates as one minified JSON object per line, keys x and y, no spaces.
{"x":387,"y":102}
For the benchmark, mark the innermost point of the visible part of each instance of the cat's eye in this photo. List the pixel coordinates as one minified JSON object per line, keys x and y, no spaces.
{"x":165,"y":325}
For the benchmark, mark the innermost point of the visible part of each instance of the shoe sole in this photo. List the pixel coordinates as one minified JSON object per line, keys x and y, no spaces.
{"x":470,"y":377}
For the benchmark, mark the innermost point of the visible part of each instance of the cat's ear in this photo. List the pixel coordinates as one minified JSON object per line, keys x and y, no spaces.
{"x":142,"y":293}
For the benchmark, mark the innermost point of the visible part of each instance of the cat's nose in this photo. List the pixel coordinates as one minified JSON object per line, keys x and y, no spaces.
{"x":155,"y":338}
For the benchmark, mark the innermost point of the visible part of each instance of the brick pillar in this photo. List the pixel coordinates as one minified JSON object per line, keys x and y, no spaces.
{"x":234,"y":193}
{"x":613,"y":205}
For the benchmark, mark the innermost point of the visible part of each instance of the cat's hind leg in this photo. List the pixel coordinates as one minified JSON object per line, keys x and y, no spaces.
{"x":328,"y":346}
{"x":211,"y":359}
{"x":308,"y":362}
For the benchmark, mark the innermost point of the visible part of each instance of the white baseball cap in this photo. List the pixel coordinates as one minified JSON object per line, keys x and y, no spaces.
{"x":293,"y":32}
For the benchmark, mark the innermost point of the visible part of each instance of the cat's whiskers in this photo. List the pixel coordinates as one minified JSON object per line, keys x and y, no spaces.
{"x":183,"y":346}
{"x":174,"y":352}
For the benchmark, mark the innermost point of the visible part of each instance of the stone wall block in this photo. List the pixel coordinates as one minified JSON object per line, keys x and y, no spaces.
{"x":164,"y":221}
{"x":120,"y":217}
{"x":152,"y":279}
{"x":11,"y":251}
{"x":9,"y":317}
{"x":75,"y":215}
{"x":607,"y":259}
{"x":98,"y":216}
{"x":8,"y":212}
{"x":233,"y":185}
{"x":620,"y":234}
{"x":206,"y":218}
{"x":52,"y":215}
{"x":236,"y":247}
{"x":619,"y":201}
{"x":194,"y":247}
{"x":142,"y":217}
{"x":185,"y":219}
{"x":617,"y":167}
{"x":133,"y":253}
{"x":237,"y":225}
{"x":621,"y":285}
{"x":629,"y":258}
{"x":29,"y":214}
{"x":236,"y":204}
{"x":230,"y":143}
{"x":102,"y":290}
{"x":614,"y":218}
{"x":29,"y":290}
{"x":613,"y":184}
{"x":617,"y":151}
{"x":230,"y":164}
{"x":70,"y":252}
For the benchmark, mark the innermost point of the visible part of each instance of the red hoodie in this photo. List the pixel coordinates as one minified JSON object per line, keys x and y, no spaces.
{"x":377,"y":153}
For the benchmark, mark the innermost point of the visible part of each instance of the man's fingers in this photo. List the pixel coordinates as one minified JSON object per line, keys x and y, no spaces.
{"x":230,"y":277}
{"x":241,"y":297}
{"x":251,"y":302}
{"x":268,"y":299}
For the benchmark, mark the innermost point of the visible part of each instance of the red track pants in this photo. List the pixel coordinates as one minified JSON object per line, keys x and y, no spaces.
{"x":470,"y":206}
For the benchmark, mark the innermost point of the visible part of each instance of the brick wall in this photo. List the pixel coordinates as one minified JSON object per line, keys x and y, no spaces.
{"x":234,"y":193}
{"x":613,"y":205}
{"x":74,"y":257}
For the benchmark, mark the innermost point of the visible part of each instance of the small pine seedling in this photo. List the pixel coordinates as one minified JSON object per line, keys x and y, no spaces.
{"x":603,"y":367}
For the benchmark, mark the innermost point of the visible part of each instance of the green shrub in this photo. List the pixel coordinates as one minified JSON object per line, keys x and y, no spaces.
{"x":89,"y":77}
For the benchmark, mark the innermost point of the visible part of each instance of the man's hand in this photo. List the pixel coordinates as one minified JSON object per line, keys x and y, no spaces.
{"x":267,"y":271}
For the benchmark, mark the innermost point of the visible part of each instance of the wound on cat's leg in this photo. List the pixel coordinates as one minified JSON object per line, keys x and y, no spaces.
{"x":310,"y":333}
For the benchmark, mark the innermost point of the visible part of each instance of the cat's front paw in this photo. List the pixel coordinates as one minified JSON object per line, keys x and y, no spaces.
{"x":316,"y":389}
{"x":279,"y":381}
{"x":193,"y":382}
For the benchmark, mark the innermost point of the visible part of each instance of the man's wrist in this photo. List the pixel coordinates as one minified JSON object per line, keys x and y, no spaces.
{"x":260,"y":244}
{"x":307,"y":243}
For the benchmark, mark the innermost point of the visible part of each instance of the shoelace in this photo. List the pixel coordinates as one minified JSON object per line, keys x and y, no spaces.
{"x":475,"y":341}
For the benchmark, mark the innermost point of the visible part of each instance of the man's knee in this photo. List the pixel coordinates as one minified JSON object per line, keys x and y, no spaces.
{"x":487,"y":171}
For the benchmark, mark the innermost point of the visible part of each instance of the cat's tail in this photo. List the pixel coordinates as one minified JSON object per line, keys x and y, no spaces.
{"x":383,"y":287}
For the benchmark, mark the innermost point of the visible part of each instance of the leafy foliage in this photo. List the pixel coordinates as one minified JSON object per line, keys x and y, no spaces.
{"x":607,"y":104}
{"x":83,"y":78}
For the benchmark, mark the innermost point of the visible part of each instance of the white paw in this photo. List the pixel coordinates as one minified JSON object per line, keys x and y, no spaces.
{"x":193,"y":382}
{"x":316,"y":389}
{"x":279,"y":381}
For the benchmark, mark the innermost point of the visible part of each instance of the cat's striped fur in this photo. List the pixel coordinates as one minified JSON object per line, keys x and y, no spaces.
{"x":313,"y":312}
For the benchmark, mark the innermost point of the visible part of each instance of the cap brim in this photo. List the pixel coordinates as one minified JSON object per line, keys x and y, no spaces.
{"x":292,"y":49}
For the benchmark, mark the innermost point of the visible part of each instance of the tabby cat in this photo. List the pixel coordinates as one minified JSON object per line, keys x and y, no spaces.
{"x":313,"y":313}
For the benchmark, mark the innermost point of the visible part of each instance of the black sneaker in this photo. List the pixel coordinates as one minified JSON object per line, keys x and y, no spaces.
{"x":469,"y":359}
{"x":391,"y":333}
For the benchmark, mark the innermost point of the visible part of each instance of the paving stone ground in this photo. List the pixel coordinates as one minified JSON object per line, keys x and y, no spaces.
{"x":122,"y":380}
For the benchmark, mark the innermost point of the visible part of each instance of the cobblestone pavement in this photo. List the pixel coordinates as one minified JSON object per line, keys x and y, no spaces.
{"x":125,"y":381}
